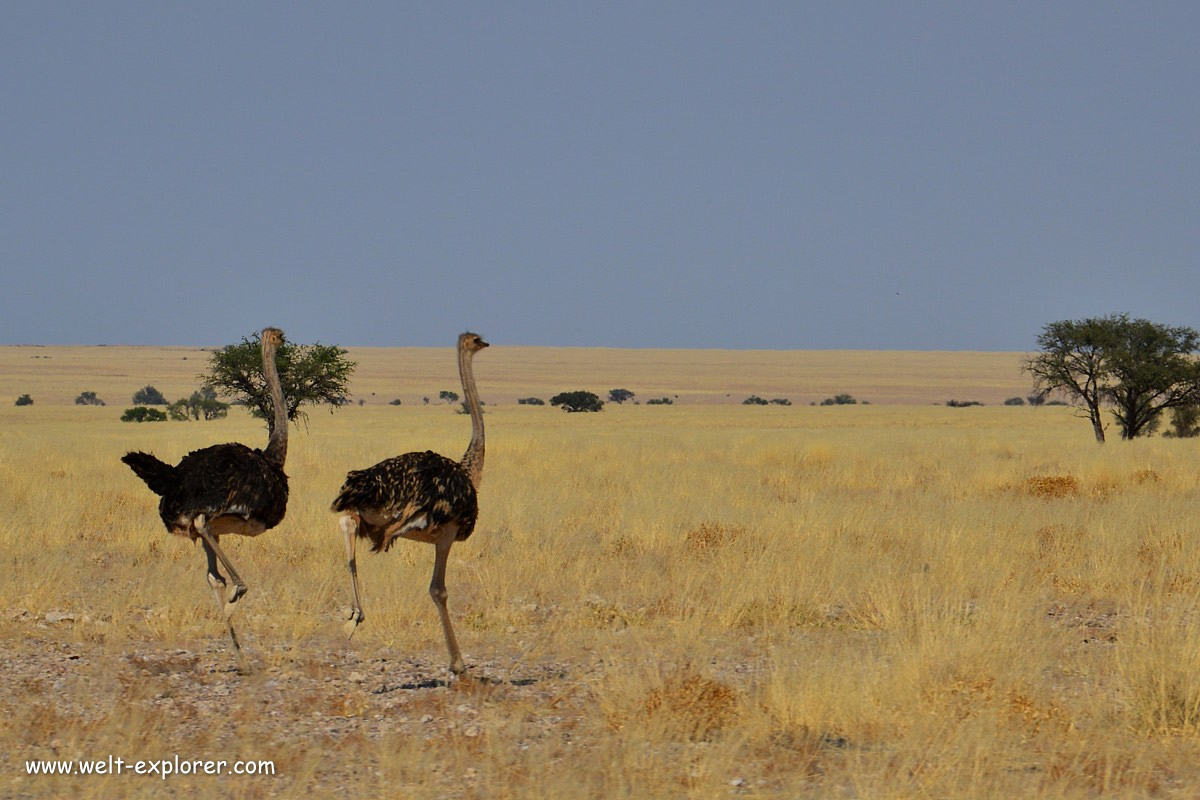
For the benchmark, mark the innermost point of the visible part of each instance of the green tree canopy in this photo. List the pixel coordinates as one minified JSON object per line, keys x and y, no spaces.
{"x":1139,"y":367}
{"x":149,"y":396}
{"x":577,"y":401}
{"x":311,"y":374}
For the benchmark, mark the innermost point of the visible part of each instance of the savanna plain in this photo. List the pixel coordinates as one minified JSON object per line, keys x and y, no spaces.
{"x":702,"y":599}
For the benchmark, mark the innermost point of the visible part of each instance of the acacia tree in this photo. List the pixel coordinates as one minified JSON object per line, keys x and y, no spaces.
{"x":619,"y":396}
{"x":311,"y":374}
{"x":577,"y":401}
{"x":1152,"y":371}
{"x":1139,"y":366}
{"x":1071,"y":361}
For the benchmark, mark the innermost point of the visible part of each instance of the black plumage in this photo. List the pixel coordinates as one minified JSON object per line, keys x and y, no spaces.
{"x":221,"y":480}
{"x":421,"y":496}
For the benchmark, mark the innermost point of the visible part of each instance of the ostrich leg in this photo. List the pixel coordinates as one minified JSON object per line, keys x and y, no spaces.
{"x":218,"y":586}
{"x":349,"y":526}
{"x":437,"y":590}
{"x":210,"y":543}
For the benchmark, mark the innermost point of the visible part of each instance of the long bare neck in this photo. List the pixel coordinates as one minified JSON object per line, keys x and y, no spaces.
{"x":277,"y":444}
{"x":472,"y":460}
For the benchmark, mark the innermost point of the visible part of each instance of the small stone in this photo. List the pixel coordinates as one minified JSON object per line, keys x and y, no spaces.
{"x":427,"y":718}
{"x":356,"y":677}
{"x":59,"y":616}
{"x":737,"y":783}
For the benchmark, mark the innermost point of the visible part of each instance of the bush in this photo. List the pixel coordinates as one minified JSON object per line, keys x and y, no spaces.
{"x":149,"y":396}
{"x":24,"y":400}
{"x":395,"y":402}
{"x":577,"y":401}
{"x":963,"y":403}
{"x":754,"y":400}
{"x":1015,"y":401}
{"x":665,"y":401}
{"x":88,"y":399}
{"x":143,"y":414}
{"x":781,"y":401}
{"x":448,"y":396}
{"x":531,"y":401}
{"x":1185,"y":422}
{"x":839,"y":400}
{"x":464,"y":409}
{"x":203,"y":404}
{"x":619,"y":396}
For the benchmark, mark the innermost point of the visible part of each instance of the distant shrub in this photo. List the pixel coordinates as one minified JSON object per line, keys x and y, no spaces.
{"x":840,"y":400}
{"x":577,"y":401}
{"x":88,"y":399}
{"x":1056,"y":402}
{"x":781,"y":401}
{"x":531,"y":401}
{"x":202,"y":404}
{"x":1185,"y":422}
{"x":143,"y":414}
{"x":660,"y":401}
{"x":395,"y":402}
{"x":963,"y":403}
{"x":1015,"y":401}
{"x":149,"y":396}
{"x":754,"y":400}
{"x":1037,"y":398}
{"x":448,"y":396}
{"x":24,"y":400}
{"x":619,"y":396}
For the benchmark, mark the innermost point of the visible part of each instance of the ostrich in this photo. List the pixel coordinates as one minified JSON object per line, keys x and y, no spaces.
{"x":225,"y":488}
{"x":424,"y":497}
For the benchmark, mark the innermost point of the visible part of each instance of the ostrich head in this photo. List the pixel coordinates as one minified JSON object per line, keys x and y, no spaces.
{"x":272,"y":337}
{"x":471,"y":342}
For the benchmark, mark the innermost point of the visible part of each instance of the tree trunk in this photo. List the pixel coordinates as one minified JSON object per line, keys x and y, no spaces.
{"x":1097,"y":423}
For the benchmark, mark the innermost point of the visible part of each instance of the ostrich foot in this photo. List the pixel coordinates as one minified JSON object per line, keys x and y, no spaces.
{"x":353,"y":618}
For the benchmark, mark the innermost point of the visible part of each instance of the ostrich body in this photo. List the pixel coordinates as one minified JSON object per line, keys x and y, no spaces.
{"x":424,"y":497}
{"x":225,"y":489}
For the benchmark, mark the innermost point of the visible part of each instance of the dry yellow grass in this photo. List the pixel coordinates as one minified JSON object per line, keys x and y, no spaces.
{"x":698,"y":600}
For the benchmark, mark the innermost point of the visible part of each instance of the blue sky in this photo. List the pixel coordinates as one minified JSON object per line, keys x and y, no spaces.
{"x":790,"y":175}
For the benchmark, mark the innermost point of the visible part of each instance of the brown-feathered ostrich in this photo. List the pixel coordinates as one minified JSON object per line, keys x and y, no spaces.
{"x":424,"y":497}
{"x":226,"y":488}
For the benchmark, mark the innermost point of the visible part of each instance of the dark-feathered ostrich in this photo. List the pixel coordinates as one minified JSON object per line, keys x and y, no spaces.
{"x":424,"y":497}
{"x":225,"y":488}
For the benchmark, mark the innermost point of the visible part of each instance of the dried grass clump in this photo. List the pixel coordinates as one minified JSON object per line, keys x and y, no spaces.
{"x":1052,"y":486}
{"x":1146,"y":476}
{"x":698,"y":707}
{"x":712,"y":536}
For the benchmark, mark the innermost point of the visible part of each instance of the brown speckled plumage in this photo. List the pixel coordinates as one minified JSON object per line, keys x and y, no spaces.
{"x":401,"y":489}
